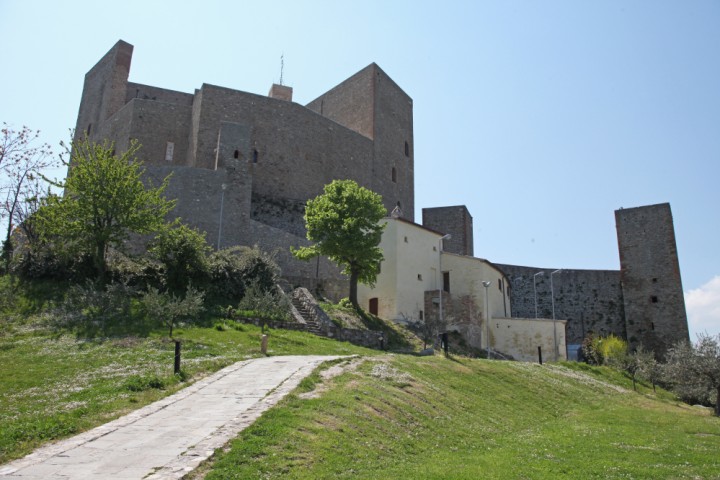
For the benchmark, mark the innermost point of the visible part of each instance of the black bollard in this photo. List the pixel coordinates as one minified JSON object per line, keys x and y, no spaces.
{"x":540,"y":355}
{"x":177,"y":357}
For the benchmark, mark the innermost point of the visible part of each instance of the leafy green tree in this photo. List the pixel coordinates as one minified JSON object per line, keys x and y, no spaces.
{"x":105,"y":201}
{"x":344,"y":223}
{"x":694,"y":370}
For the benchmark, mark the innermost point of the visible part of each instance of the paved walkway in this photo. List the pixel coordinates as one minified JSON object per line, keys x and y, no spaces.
{"x":171,"y":437}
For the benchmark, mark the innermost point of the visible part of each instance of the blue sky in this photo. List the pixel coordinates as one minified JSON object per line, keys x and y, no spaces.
{"x":543,"y":117}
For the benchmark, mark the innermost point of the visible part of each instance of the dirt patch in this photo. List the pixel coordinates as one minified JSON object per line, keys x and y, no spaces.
{"x":330,"y":373}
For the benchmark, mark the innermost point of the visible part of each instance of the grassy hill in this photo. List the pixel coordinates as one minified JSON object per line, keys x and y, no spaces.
{"x":385,"y":416}
{"x":430,"y":417}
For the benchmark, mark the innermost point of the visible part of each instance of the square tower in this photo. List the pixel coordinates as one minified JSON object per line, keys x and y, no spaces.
{"x":650,"y":273}
{"x":456,"y":221}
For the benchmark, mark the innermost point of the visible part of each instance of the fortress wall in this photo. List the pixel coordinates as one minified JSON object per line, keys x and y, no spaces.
{"x":590,"y":300}
{"x":298,"y":151}
{"x":154,"y":124}
{"x":147,"y":92}
{"x":308,"y":274}
{"x":199,"y":194}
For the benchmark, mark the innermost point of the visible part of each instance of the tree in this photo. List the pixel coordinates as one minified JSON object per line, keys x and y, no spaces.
{"x":21,"y":161}
{"x":344,"y":223}
{"x":646,"y":365}
{"x":168,"y":309}
{"x":694,"y":370}
{"x":105,"y":200}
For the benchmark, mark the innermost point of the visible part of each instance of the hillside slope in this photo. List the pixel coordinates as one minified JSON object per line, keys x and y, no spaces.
{"x":431,"y":417}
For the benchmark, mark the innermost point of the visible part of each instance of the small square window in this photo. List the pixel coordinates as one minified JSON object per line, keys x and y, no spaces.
{"x":420,"y":314}
{"x":420,"y":277}
{"x":169,"y":151}
{"x":654,"y":299}
{"x":406,"y":240}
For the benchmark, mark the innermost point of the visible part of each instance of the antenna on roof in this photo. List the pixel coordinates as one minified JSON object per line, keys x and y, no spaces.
{"x":282,"y":67}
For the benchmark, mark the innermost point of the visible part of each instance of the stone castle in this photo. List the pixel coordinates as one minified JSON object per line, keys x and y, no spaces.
{"x":243,"y":166}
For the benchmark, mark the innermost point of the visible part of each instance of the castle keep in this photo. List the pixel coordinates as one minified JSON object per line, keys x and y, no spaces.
{"x":243,"y":166}
{"x":260,"y":157}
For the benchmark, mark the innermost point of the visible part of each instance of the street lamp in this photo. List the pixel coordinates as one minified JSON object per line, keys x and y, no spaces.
{"x":222,"y":201}
{"x":552,"y":299}
{"x":440,"y":244}
{"x":535,"y":290}
{"x":486,"y":284}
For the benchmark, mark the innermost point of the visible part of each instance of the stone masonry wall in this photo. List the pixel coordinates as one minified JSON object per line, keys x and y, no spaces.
{"x":348,"y":105}
{"x":590,"y":300}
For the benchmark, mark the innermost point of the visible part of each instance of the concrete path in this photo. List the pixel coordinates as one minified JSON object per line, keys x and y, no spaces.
{"x":171,"y":437}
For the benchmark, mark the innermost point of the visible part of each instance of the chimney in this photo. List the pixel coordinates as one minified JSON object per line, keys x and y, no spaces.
{"x":281,"y":92}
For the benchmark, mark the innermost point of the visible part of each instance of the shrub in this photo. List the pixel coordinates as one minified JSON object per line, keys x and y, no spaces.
{"x":168,"y":309}
{"x":233,"y":269}
{"x":610,"y":350}
{"x":614,"y":351}
{"x":93,"y":310}
{"x":137,"y":383}
{"x":182,"y":251}
{"x":265,"y":303}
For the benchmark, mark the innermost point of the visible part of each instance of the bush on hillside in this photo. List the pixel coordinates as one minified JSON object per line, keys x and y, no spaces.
{"x":183,"y":253}
{"x":233,"y":270}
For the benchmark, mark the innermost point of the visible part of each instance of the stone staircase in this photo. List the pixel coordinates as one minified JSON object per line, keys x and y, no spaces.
{"x":308,"y":315}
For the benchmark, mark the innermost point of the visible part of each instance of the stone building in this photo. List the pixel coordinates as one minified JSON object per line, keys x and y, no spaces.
{"x":243,"y":166}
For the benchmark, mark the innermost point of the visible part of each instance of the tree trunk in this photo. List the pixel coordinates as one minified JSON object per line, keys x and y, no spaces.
{"x":353,"y":289}
{"x":100,"y":261}
{"x":717,"y":402}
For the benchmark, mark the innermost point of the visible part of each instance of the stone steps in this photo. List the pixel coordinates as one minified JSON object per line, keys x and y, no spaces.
{"x":312,"y":325}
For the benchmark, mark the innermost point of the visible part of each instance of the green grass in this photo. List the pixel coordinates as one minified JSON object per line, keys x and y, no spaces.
{"x":431,"y":417}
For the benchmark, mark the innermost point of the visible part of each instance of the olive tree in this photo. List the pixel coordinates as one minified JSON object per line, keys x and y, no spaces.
{"x":344,"y":223}
{"x":694,"y":370}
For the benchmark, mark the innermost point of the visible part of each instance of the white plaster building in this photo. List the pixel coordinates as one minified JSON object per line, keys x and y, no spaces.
{"x":407,"y":291}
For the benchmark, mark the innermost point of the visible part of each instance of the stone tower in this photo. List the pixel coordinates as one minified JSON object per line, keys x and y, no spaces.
{"x":650,"y":273}
{"x":373,"y":105}
{"x":456,"y":221}
{"x":104,"y":90}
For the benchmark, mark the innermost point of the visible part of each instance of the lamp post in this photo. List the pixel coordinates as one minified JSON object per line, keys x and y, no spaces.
{"x":535,"y":290}
{"x":552,"y":299}
{"x":441,"y":283}
{"x":222,"y":202}
{"x":486,"y":284}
